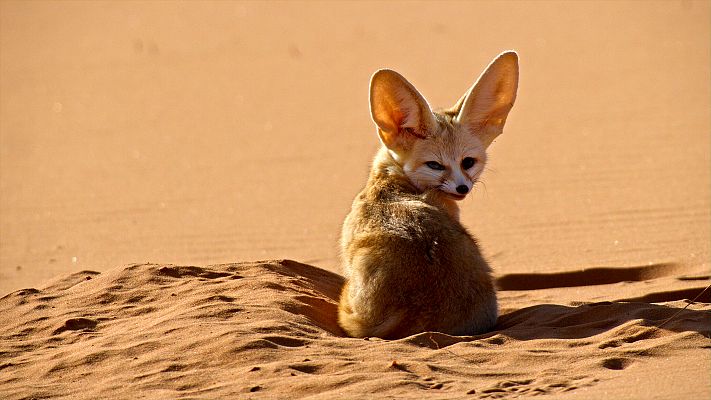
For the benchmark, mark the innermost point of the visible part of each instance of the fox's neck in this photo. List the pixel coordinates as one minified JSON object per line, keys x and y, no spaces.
{"x":387,"y":172}
{"x":389,"y":179}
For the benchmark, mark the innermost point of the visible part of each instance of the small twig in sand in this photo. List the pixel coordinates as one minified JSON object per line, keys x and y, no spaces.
{"x":449,"y":351}
{"x":690,"y":303}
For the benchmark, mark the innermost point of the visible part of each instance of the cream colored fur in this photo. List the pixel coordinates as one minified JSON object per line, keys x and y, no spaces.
{"x":410,"y":265}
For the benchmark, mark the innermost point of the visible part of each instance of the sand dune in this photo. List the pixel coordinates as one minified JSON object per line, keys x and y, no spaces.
{"x":268,"y":329}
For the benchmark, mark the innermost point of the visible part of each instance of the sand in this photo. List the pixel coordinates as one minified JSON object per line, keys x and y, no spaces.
{"x":268,"y":329}
{"x":151,"y":153}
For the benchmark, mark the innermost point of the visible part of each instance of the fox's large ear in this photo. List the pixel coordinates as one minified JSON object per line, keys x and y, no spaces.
{"x":399,"y":110}
{"x":484,"y":108}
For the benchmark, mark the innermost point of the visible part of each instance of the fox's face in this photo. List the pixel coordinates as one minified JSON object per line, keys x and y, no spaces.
{"x":449,"y":159}
{"x":445,"y":151}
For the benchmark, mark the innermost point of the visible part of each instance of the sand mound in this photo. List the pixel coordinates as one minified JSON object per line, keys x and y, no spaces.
{"x":268,"y":329}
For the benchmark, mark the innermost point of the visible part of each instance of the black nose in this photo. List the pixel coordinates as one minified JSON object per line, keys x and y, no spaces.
{"x":462,"y":189}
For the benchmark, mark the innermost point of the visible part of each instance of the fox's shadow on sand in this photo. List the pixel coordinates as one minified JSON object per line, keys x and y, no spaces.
{"x":552,"y":321}
{"x":543,"y":321}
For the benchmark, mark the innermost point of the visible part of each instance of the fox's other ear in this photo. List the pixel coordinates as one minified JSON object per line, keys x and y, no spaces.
{"x":484,"y":108}
{"x":399,"y":110}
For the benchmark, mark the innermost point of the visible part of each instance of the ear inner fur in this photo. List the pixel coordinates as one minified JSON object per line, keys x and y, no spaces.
{"x":399,"y":110}
{"x":485,"y":106}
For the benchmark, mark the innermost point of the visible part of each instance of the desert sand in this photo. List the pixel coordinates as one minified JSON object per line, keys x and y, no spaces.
{"x":152,"y":154}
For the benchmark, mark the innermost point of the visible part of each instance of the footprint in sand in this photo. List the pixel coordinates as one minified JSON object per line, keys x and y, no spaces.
{"x":616,"y":363}
{"x":76,"y":324}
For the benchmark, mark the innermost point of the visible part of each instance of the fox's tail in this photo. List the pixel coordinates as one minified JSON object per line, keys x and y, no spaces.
{"x":357,"y":326}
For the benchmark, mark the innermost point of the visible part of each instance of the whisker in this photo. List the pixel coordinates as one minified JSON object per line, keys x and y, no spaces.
{"x":486,"y":190}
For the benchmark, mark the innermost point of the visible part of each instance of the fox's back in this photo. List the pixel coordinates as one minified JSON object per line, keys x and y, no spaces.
{"x":408,"y":245}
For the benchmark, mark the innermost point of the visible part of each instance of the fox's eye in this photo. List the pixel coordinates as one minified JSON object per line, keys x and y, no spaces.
{"x":468,"y":162}
{"x":435,"y":165}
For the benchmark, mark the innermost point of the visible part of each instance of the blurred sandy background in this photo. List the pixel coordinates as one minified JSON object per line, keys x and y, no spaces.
{"x":197,"y":132}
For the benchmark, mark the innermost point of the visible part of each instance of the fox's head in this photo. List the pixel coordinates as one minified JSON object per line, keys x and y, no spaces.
{"x":443,"y":150}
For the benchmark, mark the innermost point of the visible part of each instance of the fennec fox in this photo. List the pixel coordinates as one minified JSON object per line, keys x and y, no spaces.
{"x":410,"y":265}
